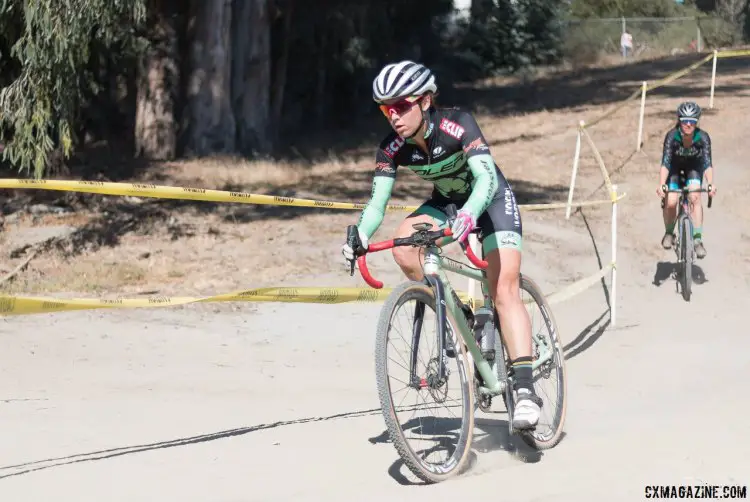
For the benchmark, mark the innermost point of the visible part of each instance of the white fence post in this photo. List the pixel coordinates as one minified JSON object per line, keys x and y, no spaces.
{"x":644,"y":87}
{"x":713,"y":81}
{"x":699,"y":40}
{"x":576,"y":158}
{"x":613,"y":293}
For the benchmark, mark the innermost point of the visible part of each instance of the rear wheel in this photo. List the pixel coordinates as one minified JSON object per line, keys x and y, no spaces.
{"x":550,"y":377}
{"x":415,"y":373}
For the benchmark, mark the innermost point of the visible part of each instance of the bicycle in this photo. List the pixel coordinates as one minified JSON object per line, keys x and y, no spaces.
{"x":481,"y":373}
{"x":684,"y":246}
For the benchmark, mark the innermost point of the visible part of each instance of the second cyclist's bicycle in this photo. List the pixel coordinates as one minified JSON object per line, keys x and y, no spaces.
{"x":450,"y":347}
{"x":684,"y":246}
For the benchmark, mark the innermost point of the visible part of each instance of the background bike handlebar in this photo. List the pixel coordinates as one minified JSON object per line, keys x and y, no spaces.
{"x":409,"y":241}
{"x":702,"y":190}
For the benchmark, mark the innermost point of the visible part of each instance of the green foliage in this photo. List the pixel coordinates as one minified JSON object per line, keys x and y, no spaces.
{"x":337,"y":51}
{"x":55,"y":55}
{"x":52,"y":45}
{"x":627,"y":8}
{"x":506,"y":35}
{"x":543,"y":28}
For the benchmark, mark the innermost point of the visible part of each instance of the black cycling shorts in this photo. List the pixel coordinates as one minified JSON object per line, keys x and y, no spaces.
{"x":678,"y":177}
{"x":500,"y":223}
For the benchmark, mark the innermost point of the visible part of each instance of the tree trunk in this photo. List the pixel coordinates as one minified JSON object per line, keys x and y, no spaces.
{"x":251,"y":74}
{"x":157,"y":83}
{"x":210,"y":117}
{"x":733,"y":12}
{"x":322,"y":73}
{"x":279,"y":78}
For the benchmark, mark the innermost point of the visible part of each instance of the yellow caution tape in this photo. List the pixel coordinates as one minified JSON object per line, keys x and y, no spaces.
{"x":22,"y":305}
{"x":732,"y":54}
{"x":208,"y":195}
{"x":669,"y":78}
{"x":600,"y":163}
{"x":679,"y":73}
{"x":184,"y":193}
{"x":10,"y":305}
{"x":612,"y":110}
{"x":568,"y":292}
{"x":578,"y":287}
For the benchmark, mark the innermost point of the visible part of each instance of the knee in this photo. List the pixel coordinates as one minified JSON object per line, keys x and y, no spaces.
{"x":695,"y":199}
{"x":403,"y":256}
{"x":671,"y":202}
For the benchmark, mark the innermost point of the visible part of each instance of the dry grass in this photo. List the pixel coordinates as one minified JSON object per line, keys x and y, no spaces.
{"x":230,"y":173}
{"x":84,"y":275}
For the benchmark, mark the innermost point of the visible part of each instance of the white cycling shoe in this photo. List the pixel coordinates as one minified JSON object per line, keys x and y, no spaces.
{"x":527,"y":409}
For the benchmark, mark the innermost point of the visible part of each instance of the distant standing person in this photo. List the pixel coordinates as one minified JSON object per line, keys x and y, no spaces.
{"x":626,"y":43}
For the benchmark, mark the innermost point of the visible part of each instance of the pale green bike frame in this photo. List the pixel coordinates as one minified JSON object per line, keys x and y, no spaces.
{"x":436,"y":266}
{"x":452,"y":321}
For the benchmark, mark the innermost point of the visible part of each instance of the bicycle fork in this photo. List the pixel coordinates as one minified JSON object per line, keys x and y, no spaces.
{"x":435,"y":376}
{"x":440,"y":314}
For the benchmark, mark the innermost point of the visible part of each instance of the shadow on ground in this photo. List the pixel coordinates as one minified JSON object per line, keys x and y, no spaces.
{"x":490,"y":435}
{"x":8,"y":471}
{"x":600,"y":86}
{"x":670,"y":271}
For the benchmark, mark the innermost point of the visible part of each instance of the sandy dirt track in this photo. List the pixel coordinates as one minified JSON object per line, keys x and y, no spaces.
{"x":266,"y":402}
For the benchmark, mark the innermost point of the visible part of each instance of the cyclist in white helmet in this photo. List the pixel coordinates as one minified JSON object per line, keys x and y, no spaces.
{"x":446,"y":147}
{"x":686,"y":159}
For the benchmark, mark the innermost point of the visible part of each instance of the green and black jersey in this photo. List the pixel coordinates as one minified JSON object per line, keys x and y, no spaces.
{"x":458,"y":164}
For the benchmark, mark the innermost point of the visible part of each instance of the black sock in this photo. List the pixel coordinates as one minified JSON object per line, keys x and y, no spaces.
{"x":523,"y":374}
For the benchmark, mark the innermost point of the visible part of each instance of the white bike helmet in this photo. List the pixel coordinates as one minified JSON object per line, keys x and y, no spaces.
{"x":689,"y":110}
{"x":402,"y":79}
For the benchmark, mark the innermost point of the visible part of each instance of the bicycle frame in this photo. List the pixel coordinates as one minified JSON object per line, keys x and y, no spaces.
{"x":434,"y":268}
{"x":683,"y":207}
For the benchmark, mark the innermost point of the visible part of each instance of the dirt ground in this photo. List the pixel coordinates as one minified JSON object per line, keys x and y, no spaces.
{"x":230,"y":402}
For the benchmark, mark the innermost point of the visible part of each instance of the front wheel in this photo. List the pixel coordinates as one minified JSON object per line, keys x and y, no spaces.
{"x":411,"y":380}
{"x":686,"y":251}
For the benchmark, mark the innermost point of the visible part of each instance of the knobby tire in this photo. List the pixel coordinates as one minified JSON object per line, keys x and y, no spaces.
{"x":427,"y":472}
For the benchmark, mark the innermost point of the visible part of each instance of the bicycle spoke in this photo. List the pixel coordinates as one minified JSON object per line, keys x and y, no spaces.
{"x":431,"y":430}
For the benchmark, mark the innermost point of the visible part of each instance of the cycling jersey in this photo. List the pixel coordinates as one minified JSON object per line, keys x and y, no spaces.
{"x":688,"y":163}
{"x":459,"y":164}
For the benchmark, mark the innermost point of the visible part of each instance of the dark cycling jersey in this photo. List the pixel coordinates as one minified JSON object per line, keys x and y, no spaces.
{"x":459,"y":164}
{"x":678,"y":158}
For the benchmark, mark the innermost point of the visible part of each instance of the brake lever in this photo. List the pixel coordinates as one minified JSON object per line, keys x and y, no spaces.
{"x":452,"y":212}
{"x":352,"y":237}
